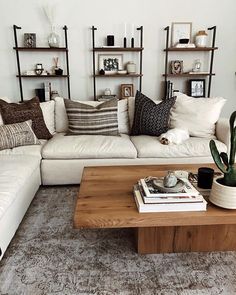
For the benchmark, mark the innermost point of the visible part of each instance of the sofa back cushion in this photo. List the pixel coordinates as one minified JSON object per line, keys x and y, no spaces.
{"x":7,"y":100}
{"x":198,"y":115}
{"x":84,"y":119}
{"x":28,"y":110}
{"x":151,"y":118}
{"x":61,"y":119}
{"x":48,"y":109}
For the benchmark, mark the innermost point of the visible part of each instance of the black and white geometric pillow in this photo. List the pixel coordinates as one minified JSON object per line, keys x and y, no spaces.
{"x":151,"y":118}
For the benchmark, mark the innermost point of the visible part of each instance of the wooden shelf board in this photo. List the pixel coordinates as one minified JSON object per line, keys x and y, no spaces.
{"x":119,"y":75}
{"x":40,"y":48}
{"x":118,"y":49}
{"x":191,"y":49}
{"x":42,"y":76}
{"x":187,"y":75}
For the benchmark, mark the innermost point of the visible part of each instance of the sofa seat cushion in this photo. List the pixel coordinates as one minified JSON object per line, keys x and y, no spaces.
{"x":150,"y":147}
{"x":15,"y":171}
{"x":30,"y":150}
{"x":89,"y":147}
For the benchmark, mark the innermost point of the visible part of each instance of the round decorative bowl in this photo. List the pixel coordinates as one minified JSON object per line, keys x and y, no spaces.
{"x":222,"y":195}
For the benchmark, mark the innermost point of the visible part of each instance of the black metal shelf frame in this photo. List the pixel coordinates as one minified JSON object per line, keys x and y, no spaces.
{"x":136,"y":49}
{"x":62,"y":49}
{"x":211,"y":50}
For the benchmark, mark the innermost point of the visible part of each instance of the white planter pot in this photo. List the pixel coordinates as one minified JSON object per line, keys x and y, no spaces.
{"x":222,"y":195}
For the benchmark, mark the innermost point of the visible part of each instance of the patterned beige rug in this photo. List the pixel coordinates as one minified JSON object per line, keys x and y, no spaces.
{"x":47,"y":256}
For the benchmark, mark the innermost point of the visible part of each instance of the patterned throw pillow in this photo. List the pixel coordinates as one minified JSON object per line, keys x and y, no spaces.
{"x":28,"y":110}
{"x":18,"y":134}
{"x":86,"y":119}
{"x":151,"y":118}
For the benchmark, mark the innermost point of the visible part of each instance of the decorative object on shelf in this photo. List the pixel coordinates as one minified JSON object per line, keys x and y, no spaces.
{"x":122,"y":72}
{"x":107,"y":91}
{"x":182,"y":45}
{"x":110,"y":40}
{"x":30,"y":40}
{"x":223,"y":191}
{"x":54,"y":93}
{"x":201,"y":39}
{"x":176,"y":67}
{"x":53,"y":39}
{"x":110,"y":63}
{"x":125,"y":42}
{"x":47,"y":90}
{"x":132,"y":36}
{"x":205,"y":177}
{"x":197,"y":66}
{"x":197,"y":87}
{"x":101,"y":72}
{"x":58,"y":71}
{"x":40,"y":93}
{"x":106,"y":97}
{"x":184,"y":41}
{"x":131,"y":67}
{"x":38,"y":69}
{"x":125,"y":35}
{"x":127,"y":90}
{"x":181,"y":30}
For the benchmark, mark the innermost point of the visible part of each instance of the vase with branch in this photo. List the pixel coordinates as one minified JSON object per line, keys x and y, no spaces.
{"x":53,"y":38}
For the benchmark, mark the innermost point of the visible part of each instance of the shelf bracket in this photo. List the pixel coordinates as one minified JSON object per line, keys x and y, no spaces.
{"x":212,"y":58}
{"x":167,"y":29}
{"x":94,"y":67}
{"x":67,"y":60}
{"x":141,"y":58}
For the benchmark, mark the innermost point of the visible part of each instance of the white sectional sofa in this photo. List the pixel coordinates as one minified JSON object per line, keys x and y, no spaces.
{"x":61,"y":159}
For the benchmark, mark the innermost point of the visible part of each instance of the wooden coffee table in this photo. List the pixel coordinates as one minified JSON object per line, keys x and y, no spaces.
{"x":106,"y":200}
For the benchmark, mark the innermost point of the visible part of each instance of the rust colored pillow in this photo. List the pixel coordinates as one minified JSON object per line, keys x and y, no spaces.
{"x":28,"y":110}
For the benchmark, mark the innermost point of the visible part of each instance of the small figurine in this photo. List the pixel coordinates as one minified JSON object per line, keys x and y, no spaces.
{"x":170,"y":180}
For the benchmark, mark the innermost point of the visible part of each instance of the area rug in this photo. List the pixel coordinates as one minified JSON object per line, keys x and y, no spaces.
{"x":47,"y":256}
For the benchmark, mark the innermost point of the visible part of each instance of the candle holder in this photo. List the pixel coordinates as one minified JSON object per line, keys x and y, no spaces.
{"x":132,"y":42}
{"x":125,"y":42}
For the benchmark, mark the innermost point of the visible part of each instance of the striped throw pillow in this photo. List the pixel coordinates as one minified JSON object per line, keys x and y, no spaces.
{"x":18,"y":134}
{"x":86,"y":119}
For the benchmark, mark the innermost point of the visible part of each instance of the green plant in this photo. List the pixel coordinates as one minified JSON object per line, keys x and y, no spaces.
{"x":225,"y":164}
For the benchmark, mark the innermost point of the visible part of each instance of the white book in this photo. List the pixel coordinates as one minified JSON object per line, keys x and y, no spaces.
{"x":176,"y":207}
{"x":47,"y":90}
{"x":167,"y":199}
{"x":151,"y":191}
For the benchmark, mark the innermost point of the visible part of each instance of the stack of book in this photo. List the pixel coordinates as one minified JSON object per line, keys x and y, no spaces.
{"x":149,"y":199}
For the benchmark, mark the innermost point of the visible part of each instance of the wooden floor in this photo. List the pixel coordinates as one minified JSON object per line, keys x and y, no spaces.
{"x":106,"y":200}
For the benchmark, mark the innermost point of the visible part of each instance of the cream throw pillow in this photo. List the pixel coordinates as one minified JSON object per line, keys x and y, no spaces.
{"x":198,"y":115}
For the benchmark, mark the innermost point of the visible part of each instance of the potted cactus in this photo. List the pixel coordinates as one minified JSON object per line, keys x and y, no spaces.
{"x":223,"y":191}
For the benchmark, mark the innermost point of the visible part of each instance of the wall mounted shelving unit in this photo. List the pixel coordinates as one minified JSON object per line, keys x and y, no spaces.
{"x":117,"y":49}
{"x":21,"y":76}
{"x":210,"y":50}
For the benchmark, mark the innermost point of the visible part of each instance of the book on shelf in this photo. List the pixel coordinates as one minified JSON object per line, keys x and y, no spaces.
{"x":167,"y":198}
{"x":188,"y":45}
{"x":151,"y":191}
{"x":167,"y":207}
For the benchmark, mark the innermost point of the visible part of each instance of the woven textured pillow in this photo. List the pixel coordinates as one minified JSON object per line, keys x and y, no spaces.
{"x":151,"y":118}
{"x":18,"y":134}
{"x":86,"y":119}
{"x":28,"y":110}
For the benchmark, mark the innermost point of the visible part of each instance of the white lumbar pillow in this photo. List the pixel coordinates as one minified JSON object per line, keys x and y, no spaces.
{"x":198,"y":115}
{"x":175,"y":136}
{"x":7,"y":100}
{"x":48,"y":110}
{"x":61,"y":119}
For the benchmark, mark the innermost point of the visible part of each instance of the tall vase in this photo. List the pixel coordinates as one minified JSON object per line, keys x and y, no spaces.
{"x":53,"y":38}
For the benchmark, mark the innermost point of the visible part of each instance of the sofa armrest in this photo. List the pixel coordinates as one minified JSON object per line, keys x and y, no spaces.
{"x":223,"y":131}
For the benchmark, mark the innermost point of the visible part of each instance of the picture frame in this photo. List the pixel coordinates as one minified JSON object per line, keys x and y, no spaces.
{"x":176,"y":67}
{"x":127,"y":90}
{"x":110,"y":63}
{"x":30,"y":40}
{"x":197,"y":87}
{"x":180,"y":30}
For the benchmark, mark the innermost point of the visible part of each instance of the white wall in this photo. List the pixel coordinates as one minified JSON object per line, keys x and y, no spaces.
{"x":109,"y":16}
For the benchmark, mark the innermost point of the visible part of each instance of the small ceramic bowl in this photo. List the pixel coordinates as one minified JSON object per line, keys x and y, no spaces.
{"x":183,"y":41}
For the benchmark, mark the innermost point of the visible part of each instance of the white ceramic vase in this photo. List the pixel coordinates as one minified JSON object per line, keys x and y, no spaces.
{"x":222,"y":195}
{"x":131,"y":67}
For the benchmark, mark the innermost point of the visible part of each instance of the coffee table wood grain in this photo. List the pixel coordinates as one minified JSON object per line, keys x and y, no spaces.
{"x":105,"y":200}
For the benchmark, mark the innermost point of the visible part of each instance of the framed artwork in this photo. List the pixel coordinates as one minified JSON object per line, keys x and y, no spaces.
{"x":127,"y":90}
{"x":110,"y":63}
{"x":29,"y":40}
{"x":197,"y":87}
{"x":180,"y":31}
{"x":176,"y":67}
